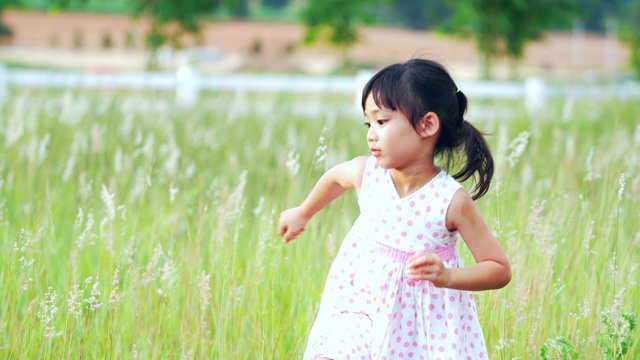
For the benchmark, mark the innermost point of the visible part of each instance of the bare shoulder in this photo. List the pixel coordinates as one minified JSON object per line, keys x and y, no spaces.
{"x":359,"y":164}
{"x":461,"y":210}
{"x":349,"y":173}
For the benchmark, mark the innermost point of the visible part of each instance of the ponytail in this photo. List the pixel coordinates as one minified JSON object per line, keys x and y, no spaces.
{"x":478,"y":159}
{"x":460,"y":143}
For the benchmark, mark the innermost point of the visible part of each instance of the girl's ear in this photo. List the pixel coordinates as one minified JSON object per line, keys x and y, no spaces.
{"x":429,"y":125}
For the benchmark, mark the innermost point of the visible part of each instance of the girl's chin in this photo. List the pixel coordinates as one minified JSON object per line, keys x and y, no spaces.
{"x":383,"y":164}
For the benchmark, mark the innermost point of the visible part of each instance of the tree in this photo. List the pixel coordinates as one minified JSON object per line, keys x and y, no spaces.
{"x":335,"y":21}
{"x":631,"y":33}
{"x":420,"y":14}
{"x":504,"y":27}
{"x":170,"y":20}
{"x":5,"y":4}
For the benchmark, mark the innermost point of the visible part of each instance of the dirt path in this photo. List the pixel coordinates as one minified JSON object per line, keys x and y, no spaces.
{"x":77,"y":40}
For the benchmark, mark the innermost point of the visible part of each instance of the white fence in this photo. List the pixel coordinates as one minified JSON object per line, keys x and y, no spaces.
{"x":187,"y":84}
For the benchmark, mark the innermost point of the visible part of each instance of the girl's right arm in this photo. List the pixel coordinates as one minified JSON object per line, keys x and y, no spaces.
{"x":332,"y":184}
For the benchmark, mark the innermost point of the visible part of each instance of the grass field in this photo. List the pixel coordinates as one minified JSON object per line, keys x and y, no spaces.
{"x":136,"y":229}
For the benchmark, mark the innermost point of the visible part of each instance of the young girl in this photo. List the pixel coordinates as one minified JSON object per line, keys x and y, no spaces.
{"x":397,"y":288}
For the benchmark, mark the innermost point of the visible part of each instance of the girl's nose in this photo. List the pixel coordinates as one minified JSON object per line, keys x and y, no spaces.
{"x":371,"y":134}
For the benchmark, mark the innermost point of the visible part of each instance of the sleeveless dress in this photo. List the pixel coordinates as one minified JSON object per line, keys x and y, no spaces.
{"x":369,"y":309}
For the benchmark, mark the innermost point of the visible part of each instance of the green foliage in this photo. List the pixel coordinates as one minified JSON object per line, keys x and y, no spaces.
{"x":335,"y":21}
{"x":99,"y":6}
{"x":630,"y":33}
{"x":615,"y":338}
{"x":165,"y":13}
{"x":4,"y":30}
{"x":172,"y":20}
{"x":5,"y":4}
{"x":558,"y":348}
{"x":504,"y":27}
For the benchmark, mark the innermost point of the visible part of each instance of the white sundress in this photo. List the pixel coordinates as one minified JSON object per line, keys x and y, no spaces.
{"x":369,"y":309}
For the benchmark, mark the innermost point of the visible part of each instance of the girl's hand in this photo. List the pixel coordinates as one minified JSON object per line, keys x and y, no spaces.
{"x":428,"y":266}
{"x":291,"y":224}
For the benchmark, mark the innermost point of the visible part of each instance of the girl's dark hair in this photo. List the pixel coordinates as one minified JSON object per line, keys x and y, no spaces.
{"x":419,"y":86}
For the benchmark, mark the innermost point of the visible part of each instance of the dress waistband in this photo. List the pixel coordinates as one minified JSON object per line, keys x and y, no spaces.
{"x":445,"y":253}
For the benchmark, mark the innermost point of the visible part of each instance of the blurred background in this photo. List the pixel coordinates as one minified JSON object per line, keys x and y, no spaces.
{"x":148,"y":147}
{"x":563,"y":40}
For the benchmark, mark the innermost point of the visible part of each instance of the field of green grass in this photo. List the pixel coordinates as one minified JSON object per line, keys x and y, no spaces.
{"x":136,"y":229}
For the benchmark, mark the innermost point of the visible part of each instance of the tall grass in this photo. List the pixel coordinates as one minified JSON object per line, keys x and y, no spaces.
{"x":133,"y":228}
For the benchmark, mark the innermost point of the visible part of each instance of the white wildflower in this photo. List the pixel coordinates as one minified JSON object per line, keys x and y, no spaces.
{"x":79,"y":218}
{"x":258,"y":209}
{"x":123,"y":212}
{"x":590,"y":236}
{"x":15,"y":244}
{"x":25,"y":286}
{"x":504,"y":343}
{"x":85,"y":188}
{"x":147,"y":149}
{"x":74,"y":301}
{"x":42,"y":148}
{"x":107,"y":199}
{"x":613,"y":266}
{"x":93,"y":302}
{"x":321,"y":150}
{"x":173,"y":156}
{"x":150,"y":272}
{"x":331,"y":245}
{"x":557,"y":287}
{"x":129,"y":251}
{"x":293,"y":163}
{"x":86,"y":233}
{"x":584,"y":308}
{"x":614,"y":312}
{"x":21,"y":247}
{"x":237,"y":294}
{"x":115,"y":296}
{"x":205,"y":293}
{"x":68,"y":169}
{"x":24,"y":263}
{"x":517,"y":147}
{"x":48,"y":310}
{"x":621,"y":182}
{"x":26,"y":243}
{"x":172,"y":193}
{"x":168,"y":275}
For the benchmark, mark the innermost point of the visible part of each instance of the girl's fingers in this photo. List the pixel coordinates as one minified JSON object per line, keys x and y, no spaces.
{"x":288,"y":235}
{"x":421,"y":259}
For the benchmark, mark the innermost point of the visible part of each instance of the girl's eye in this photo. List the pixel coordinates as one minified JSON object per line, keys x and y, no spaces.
{"x":367,"y":125}
{"x":382,"y":122}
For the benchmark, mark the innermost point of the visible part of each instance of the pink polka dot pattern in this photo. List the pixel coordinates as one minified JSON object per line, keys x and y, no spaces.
{"x":369,"y":309}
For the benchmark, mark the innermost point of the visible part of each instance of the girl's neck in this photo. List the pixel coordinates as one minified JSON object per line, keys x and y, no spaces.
{"x":411,"y":179}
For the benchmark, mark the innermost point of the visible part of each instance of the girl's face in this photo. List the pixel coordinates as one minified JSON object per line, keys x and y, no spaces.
{"x":391,"y":137}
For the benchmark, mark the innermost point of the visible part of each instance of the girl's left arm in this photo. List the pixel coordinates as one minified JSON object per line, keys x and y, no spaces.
{"x":492,"y":269}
